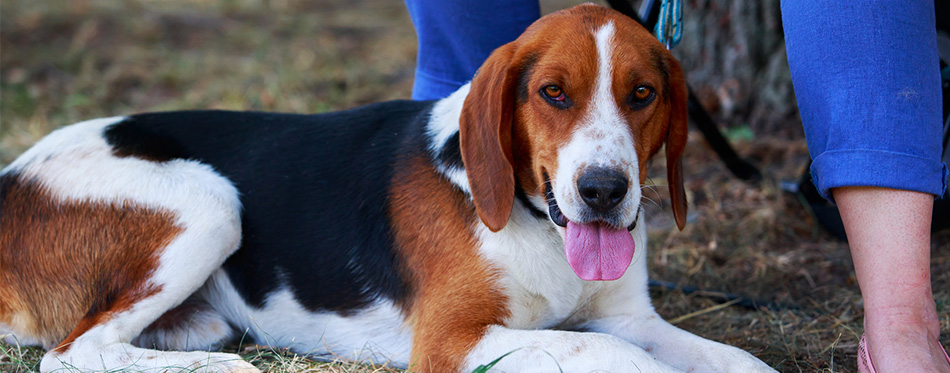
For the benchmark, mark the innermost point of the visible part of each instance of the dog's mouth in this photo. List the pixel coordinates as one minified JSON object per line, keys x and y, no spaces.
{"x":595,"y":250}
{"x":558,"y":217}
{"x":553,"y":210}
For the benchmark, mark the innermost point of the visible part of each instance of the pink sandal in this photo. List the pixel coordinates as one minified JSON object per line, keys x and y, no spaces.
{"x":864,"y":358}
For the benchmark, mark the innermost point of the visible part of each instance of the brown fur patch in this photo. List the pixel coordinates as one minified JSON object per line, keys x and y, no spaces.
{"x":68,"y":266}
{"x":485,"y":137}
{"x":454,"y":296}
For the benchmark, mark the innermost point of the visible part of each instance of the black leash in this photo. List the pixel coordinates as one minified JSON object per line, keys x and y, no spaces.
{"x":723,"y":297}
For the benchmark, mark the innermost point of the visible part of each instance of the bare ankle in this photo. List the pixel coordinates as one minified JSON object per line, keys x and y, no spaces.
{"x":905,"y":319}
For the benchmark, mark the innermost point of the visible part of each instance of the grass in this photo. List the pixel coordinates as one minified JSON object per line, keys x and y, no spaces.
{"x":65,"y":61}
{"x":19,"y":359}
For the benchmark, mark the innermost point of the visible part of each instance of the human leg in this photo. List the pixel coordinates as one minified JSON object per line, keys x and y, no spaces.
{"x":889,"y":235}
{"x":868,"y":88}
{"x":455,"y":37}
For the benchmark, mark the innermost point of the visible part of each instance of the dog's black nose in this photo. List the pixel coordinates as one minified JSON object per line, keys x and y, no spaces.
{"x":602,"y":188}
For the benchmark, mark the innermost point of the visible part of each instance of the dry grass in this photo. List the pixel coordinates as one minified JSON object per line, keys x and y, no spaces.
{"x":71,"y":60}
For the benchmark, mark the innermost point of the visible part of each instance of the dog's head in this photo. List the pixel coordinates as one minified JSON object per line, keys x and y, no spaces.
{"x":572,"y":110}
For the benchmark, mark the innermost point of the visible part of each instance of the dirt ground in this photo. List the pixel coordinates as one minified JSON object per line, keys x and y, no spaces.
{"x":65,"y":61}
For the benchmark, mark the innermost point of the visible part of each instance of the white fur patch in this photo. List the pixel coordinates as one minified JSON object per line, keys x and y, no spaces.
{"x":376,"y":333}
{"x":77,"y":164}
{"x":558,"y":350}
{"x":543,"y":291}
{"x":443,"y":124}
{"x":444,"y":121}
{"x":88,"y":355}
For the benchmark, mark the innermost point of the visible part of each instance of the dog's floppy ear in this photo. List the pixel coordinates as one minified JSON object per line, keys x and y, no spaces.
{"x":676,"y":139}
{"x":485,"y":137}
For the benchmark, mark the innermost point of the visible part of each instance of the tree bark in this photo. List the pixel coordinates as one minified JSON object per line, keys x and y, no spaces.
{"x":733,"y":52}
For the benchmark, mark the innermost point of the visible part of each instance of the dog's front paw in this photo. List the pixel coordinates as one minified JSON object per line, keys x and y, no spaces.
{"x":725,"y":358}
{"x":507,"y":350}
{"x":223,"y":362}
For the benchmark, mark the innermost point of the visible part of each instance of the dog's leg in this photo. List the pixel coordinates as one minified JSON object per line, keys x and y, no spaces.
{"x":676,"y":346}
{"x":102,"y":338}
{"x":210,"y":232}
{"x":192,"y":326}
{"x":556,"y":350}
{"x":623,"y":309}
{"x":120,"y":241}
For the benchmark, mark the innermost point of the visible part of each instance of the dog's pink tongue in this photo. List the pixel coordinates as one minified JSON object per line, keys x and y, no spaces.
{"x":598,"y":253}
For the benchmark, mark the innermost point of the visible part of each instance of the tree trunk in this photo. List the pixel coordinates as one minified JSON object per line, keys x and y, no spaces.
{"x":733,"y":52}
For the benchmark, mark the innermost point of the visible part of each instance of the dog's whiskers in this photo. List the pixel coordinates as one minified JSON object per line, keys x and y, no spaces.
{"x":655,"y":203}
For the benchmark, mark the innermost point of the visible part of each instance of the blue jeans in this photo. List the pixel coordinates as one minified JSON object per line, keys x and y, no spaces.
{"x":455,"y":37}
{"x":866,"y":76}
{"x":867,"y":79}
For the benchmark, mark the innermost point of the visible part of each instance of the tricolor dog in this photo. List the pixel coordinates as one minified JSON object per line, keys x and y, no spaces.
{"x":436,"y":236}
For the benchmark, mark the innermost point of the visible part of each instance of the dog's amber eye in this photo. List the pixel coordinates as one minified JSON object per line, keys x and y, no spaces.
{"x":641,"y":97}
{"x":555,"y":96}
{"x":642,"y":93}
{"x":554,"y":92}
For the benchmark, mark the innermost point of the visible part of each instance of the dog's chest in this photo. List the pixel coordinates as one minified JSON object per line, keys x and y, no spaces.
{"x":542,"y":289}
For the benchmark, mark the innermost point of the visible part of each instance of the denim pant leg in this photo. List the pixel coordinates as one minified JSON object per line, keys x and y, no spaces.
{"x":455,"y":37}
{"x":866,"y":76}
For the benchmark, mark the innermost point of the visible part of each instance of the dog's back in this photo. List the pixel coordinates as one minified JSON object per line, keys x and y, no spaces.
{"x":313,"y":188}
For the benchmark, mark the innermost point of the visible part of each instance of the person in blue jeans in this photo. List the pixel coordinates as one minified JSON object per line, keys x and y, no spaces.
{"x":867,"y":80}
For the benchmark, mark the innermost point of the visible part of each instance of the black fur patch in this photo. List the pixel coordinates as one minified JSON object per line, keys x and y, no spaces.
{"x":7,"y":180}
{"x":451,"y":154}
{"x":520,"y":194}
{"x":314,"y":192}
{"x":141,"y":142}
